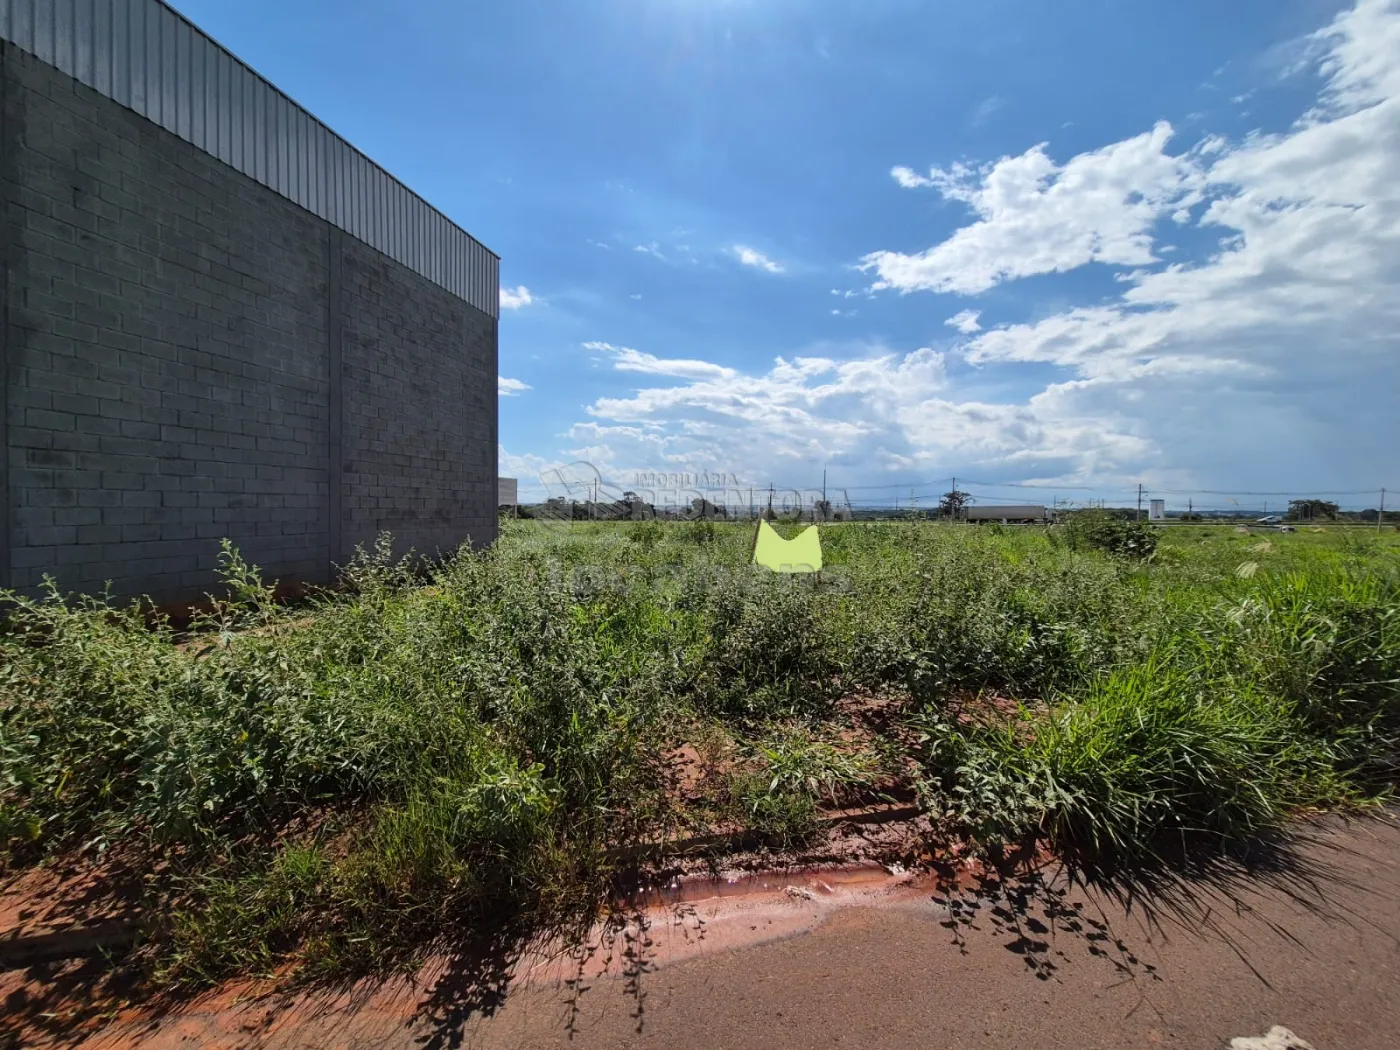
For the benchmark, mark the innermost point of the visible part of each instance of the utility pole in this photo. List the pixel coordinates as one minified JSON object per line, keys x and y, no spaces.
{"x":1190,"y":509}
{"x":1139,"y":510}
{"x":1380,"y":514}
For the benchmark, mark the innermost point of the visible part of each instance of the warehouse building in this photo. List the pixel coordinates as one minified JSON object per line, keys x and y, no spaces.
{"x":219,"y":320}
{"x":1018,"y":514}
{"x":507,"y":493}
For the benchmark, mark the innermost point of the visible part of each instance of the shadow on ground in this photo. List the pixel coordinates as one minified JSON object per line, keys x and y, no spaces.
{"x":1041,"y":913}
{"x":1189,"y":889}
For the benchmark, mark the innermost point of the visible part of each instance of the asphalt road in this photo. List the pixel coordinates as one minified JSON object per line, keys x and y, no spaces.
{"x":1311,"y":942}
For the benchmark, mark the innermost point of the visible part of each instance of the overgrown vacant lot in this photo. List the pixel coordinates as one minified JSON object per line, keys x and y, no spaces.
{"x":337,"y":786}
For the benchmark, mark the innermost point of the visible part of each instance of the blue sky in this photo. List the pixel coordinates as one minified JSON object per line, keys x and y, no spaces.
{"x":1079,"y":245}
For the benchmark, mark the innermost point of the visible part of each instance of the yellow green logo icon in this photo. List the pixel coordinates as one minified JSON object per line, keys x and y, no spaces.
{"x":802,"y":553}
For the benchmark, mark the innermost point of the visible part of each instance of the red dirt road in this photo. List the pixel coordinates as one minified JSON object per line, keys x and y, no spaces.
{"x":1311,"y":943}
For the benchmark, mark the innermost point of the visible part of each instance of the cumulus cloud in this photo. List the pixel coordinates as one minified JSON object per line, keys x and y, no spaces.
{"x":526,"y":468}
{"x":865,"y":405}
{"x":1036,"y":216}
{"x":750,"y":257}
{"x":837,"y":399}
{"x":965,"y":322}
{"x":1262,"y":356}
{"x":510,"y":387}
{"x":1257,"y":361}
{"x":625,"y":359}
{"x":515,"y":298}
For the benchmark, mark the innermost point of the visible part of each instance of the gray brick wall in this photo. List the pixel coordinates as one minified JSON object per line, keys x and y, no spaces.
{"x":167,"y":363}
{"x":427,"y":473}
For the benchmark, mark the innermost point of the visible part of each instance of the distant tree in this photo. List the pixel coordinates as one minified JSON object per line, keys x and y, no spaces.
{"x":1311,"y":510}
{"x":1371,"y":514}
{"x":703,"y":508}
{"x":951,"y":504}
{"x":635,"y":507}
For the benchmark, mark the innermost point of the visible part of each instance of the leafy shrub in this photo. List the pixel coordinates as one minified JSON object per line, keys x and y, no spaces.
{"x":700,"y":530}
{"x":645,"y":534}
{"x":963,"y":617}
{"x":1097,"y":530}
{"x":769,"y":655}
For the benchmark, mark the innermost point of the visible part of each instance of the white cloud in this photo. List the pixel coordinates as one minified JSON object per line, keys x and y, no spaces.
{"x":965,"y":322}
{"x":625,"y":359}
{"x":838,"y":400}
{"x":653,"y":249}
{"x":909,"y":178}
{"x":526,"y":468}
{"x":515,"y":298}
{"x":986,"y":109}
{"x":1036,"y":216}
{"x":510,"y":387}
{"x":1269,"y":353}
{"x":750,"y":257}
{"x":1260,"y":362}
{"x":522,"y":466}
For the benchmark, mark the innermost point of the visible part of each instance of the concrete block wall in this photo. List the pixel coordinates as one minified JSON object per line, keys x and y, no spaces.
{"x":428,"y":473}
{"x":188,"y":355}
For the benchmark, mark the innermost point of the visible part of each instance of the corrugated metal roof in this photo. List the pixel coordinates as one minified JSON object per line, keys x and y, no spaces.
{"x":150,"y":58}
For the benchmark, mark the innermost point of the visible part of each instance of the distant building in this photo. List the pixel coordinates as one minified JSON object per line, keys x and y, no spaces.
{"x":1157,"y":510}
{"x":1027,"y":514}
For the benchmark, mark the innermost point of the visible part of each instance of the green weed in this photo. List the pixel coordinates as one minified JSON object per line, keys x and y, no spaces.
{"x":434,"y":748}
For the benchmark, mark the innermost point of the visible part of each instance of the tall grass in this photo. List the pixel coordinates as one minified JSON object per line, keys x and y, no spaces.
{"x":341,"y":783}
